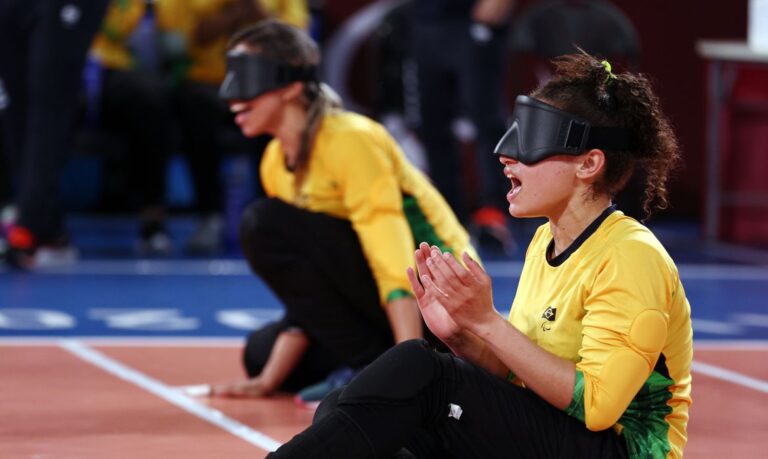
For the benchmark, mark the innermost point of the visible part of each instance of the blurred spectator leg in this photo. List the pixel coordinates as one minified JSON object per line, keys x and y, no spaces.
{"x":202,"y":114}
{"x":42,"y":76}
{"x":481,"y":80}
{"x":137,"y":107}
{"x":433,"y":51}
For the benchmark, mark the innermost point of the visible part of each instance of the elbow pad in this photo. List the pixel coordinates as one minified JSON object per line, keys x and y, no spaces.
{"x":606,"y":397}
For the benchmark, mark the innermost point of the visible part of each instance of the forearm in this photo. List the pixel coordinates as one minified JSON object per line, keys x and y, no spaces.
{"x":404,"y":318}
{"x":290,"y":346}
{"x":470,"y":347}
{"x":550,"y":376}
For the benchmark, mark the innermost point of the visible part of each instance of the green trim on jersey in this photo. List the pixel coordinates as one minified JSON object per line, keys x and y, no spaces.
{"x":397,"y":294}
{"x":644,"y":426}
{"x":422,"y":230}
{"x":576,"y":407}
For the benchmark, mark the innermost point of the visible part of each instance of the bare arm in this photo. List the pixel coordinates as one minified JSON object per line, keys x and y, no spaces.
{"x":550,"y":376}
{"x":404,"y":318}
{"x":290,"y":346}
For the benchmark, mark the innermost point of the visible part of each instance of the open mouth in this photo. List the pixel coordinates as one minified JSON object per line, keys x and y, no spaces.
{"x":240,"y":109}
{"x":516,"y":184}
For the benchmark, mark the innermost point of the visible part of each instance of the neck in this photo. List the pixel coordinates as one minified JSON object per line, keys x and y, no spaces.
{"x":288,"y":132}
{"x":571,"y":222}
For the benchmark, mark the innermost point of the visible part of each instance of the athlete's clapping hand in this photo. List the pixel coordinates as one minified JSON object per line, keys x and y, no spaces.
{"x":452,"y":298}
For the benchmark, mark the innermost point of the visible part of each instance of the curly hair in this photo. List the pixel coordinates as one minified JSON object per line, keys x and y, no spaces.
{"x":585,"y":86}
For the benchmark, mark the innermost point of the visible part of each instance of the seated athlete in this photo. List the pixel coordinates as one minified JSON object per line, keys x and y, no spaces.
{"x":594,"y":359}
{"x":337,"y":230}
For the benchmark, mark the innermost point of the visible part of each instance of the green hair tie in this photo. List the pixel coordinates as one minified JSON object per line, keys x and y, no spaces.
{"x":608,"y":68}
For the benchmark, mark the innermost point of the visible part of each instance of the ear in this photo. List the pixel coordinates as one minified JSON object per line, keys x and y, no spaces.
{"x":591,"y":164}
{"x":292,"y":91}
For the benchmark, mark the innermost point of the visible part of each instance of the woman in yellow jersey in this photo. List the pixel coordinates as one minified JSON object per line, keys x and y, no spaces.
{"x":338,"y":228}
{"x":594,"y":359}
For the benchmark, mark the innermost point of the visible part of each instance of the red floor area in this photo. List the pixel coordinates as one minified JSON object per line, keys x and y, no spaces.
{"x":55,"y":405}
{"x":59,"y":406}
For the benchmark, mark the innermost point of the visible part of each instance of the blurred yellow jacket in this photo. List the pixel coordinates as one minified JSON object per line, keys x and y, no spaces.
{"x":179,"y":19}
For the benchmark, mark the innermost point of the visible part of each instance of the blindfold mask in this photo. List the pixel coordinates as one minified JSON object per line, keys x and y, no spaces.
{"x":540,"y":131}
{"x":251,"y":75}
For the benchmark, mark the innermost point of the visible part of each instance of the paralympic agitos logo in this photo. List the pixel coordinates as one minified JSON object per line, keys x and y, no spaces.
{"x":549,"y":314}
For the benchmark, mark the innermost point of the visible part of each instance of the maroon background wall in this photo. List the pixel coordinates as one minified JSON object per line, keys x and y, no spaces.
{"x":668,"y":32}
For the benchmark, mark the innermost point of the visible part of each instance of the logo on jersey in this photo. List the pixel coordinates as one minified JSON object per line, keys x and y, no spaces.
{"x":550,"y":314}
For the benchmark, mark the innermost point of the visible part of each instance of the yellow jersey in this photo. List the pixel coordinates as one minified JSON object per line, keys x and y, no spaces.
{"x":357,"y":172}
{"x":613,"y":304}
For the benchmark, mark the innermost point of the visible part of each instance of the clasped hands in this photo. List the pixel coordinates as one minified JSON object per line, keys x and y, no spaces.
{"x":452,"y":298}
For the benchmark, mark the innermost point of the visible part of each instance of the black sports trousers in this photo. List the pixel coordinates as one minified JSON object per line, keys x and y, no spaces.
{"x":415,"y":402}
{"x":315,"y":265}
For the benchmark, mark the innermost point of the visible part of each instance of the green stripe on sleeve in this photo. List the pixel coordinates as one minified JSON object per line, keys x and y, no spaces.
{"x":421,"y":228}
{"x":397,"y":294}
{"x":576,"y":407}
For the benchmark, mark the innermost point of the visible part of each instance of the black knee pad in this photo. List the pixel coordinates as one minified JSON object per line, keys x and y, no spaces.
{"x":398,"y":374}
{"x":327,"y":405}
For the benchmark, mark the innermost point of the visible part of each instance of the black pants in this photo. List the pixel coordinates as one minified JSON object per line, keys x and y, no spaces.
{"x":404,"y":399}
{"x":136,"y":107}
{"x":43,"y":44}
{"x":315,"y":265}
{"x":202,"y":114}
{"x":451,"y":62}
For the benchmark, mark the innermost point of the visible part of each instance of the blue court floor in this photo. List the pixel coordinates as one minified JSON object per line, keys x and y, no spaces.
{"x":110,"y":292}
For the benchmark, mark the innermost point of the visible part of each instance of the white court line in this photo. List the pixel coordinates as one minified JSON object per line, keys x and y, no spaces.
{"x":730,"y":376}
{"x":126,"y":341}
{"x":175,"y":397}
{"x":716,"y":327}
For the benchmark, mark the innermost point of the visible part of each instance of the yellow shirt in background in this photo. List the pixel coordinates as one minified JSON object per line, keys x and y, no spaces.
{"x":293,"y":12}
{"x":205,"y":64}
{"x":110,"y":45}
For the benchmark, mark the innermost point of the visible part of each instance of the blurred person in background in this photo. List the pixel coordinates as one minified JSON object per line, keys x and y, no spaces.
{"x":195,"y":35}
{"x":163,"y":62}
{"x":336,"y":231}
{"x":458,"y":46}
{"x":133,"y":102}
{"x":43,"y":45}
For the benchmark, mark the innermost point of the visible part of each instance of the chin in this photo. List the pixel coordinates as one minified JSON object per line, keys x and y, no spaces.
{"x":521,"y":212}
{"x":250,"y":133}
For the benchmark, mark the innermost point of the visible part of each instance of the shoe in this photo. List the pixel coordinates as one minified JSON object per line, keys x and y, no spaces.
{"x":491,"y":232}
{"x":154,"y":240}
{"x":311,"y":396}
{"x":25,"y":253}
{"x":207,"y":237}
